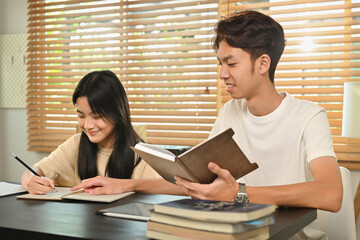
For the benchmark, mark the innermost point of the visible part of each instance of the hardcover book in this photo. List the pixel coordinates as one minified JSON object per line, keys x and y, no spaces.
{"x":209,"y":210}
{"x":193,"y":164}
{"x":65,"y":193}
{"x":168,"y":232}
{"x":219,"y":226}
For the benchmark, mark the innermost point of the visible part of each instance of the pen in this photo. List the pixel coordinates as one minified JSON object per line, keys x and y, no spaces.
{"x":25,"y":165}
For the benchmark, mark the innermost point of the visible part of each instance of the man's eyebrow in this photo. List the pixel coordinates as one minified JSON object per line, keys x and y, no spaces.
{"x":226,"y":58}
{"x":77,"y":110}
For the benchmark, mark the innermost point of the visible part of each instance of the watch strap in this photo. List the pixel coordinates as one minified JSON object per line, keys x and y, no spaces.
{"x":242,"y":195}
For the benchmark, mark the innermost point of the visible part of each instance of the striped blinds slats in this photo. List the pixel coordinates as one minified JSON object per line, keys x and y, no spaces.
{"x":321,"y":53}
{"x":161,"y":51}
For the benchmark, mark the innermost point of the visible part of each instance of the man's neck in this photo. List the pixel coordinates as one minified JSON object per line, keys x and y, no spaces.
{"x":265,"y":102}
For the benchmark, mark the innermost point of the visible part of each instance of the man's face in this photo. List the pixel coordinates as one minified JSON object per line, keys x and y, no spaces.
{"x":237,"y":71}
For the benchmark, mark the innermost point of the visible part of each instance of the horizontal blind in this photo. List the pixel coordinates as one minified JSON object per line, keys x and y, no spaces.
{"x":160,"y":50}
{"x":321,"y":53}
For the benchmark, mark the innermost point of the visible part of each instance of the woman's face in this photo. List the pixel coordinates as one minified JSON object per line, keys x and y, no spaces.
{"x":99,"y":130}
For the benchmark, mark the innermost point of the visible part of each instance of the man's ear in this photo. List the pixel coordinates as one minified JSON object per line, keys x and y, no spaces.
{"x":264,"y":63}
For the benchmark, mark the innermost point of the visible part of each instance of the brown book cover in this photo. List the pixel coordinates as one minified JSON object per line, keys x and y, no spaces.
{"x":192,"y":164}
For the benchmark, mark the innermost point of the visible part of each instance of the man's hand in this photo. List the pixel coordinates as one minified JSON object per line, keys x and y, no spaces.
{"x":223,"y":188}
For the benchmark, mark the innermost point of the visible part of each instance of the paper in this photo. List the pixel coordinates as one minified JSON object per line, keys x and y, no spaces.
{"x":10,"y":188}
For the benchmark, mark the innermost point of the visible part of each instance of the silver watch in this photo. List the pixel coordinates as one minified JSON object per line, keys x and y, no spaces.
{"x":242,"y":196}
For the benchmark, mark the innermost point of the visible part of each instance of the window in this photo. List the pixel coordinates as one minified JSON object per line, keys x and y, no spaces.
{"x":161,"y":51}
{"x":321,"y":53}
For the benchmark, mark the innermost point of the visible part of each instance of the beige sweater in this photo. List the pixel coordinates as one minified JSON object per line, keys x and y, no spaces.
{"x":61,"y":164}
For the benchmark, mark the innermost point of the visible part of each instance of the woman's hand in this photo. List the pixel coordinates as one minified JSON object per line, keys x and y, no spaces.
{"x":38,"y":185}
{"x":223,"y":188}
{"x":104,"y":185}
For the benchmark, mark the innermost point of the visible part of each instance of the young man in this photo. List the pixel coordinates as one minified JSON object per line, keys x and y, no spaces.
{"x":289,"y":139}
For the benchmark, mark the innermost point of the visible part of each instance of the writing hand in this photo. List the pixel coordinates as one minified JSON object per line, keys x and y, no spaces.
{"x":39,"y":185}
{"x":223,"y":188}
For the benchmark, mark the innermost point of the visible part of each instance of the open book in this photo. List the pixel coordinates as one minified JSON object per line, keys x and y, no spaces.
{"x":65,"y":193}
{"x":192,"y":164}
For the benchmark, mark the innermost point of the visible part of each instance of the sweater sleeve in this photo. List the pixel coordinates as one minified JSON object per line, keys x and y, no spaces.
{"x":61,"y":165}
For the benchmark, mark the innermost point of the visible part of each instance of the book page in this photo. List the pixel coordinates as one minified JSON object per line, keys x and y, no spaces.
{"x":66,"y":193}
{"x":157,"y":151}
{"x":10,"y":188}
{"x":97,"y":198}
{"x":52,"y":195}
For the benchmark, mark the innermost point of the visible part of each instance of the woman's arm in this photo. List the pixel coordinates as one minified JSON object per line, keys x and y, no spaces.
{"x":105,"y":185}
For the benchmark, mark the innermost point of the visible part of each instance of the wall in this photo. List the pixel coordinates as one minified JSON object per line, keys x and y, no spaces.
{"x":13,"y":20}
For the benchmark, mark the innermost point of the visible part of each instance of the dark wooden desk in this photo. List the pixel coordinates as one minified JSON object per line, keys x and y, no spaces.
{"x":31,"y":219}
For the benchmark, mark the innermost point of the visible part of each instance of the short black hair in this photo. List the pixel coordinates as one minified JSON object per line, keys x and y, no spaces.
{"x":253,"y":32}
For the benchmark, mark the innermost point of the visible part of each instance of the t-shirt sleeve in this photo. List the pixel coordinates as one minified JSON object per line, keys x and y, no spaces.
{"x":317,"y":137}
{"x":60,"y":165}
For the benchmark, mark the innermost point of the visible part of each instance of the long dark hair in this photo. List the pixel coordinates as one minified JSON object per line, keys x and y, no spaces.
{"x":255,"y":33}
{"x":107,"y":98}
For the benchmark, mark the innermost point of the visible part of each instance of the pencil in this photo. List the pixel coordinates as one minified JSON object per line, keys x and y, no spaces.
{"x":25,"y":165}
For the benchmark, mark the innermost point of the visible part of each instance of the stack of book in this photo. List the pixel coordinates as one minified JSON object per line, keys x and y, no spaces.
{"x":203,"y":219}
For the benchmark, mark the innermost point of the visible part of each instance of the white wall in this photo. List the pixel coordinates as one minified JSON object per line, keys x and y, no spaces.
{"x":13,"y":138}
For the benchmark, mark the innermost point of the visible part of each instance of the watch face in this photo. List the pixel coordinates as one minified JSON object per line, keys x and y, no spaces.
{"x":242,"y":188}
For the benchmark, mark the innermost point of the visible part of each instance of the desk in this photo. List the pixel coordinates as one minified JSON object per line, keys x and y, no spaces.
{"x":35,"y":219}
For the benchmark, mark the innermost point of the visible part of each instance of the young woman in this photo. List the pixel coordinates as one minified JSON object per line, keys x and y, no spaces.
{"x":103,"y":147}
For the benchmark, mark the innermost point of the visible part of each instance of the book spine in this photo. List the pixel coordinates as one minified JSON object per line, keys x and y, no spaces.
{"x":182,"y":165}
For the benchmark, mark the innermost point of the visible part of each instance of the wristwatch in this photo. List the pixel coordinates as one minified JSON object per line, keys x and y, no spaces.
{"x":242,"y":196}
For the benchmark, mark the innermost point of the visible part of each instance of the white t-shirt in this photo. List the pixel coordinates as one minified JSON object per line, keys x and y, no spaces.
{"x":282,"y":143}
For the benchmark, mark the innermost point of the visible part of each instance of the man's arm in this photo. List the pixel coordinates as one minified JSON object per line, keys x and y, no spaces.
{"x":325,"y":192}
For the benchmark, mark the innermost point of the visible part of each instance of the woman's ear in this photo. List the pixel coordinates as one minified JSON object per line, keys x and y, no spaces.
{"x":264,"y":63}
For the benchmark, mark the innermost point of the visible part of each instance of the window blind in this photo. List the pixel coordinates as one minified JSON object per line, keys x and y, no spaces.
{"x":161,"y":51}
{"x":321,"y":53}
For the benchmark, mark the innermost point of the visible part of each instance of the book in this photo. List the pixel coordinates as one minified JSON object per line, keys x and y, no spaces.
{"x":210,"y":210}
{"x":10,"y":188}
{"x":193,"y":164}
{"x":169,"y":232}
{"x":136,"y":211}
{"x":219,"y":226}
{"x":65,"y":193}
